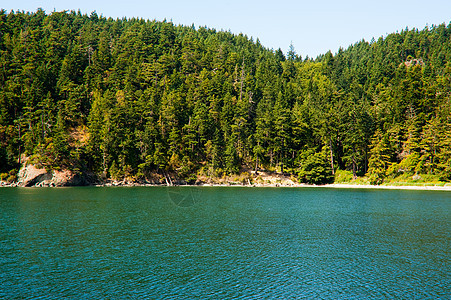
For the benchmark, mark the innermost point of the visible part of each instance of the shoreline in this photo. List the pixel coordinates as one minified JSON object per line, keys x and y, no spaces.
{"x":446,"y":187}
{"x":31,"y":176}
{"x":340,"y":186}
{"x":390,"y":187}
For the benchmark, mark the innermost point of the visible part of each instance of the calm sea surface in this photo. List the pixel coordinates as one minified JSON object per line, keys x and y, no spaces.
{"x":224,"y":243}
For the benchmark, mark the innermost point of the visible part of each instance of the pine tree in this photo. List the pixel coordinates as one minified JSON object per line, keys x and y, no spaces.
{"x":379,"y":160}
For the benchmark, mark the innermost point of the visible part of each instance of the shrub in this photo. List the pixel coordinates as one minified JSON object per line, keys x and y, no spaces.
{"x":315,"y":167}
{"x":11,"y":178}
{"x":343,"y":176}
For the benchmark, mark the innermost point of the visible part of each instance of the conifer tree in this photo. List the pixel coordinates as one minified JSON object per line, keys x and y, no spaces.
{"x":379,"y":160}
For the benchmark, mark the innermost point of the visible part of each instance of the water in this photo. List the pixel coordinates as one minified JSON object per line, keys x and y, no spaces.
{"x":223,"y":243}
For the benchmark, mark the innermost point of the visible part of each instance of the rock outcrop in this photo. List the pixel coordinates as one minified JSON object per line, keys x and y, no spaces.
{"x":66,"y":178}
{"x":30,"y":175}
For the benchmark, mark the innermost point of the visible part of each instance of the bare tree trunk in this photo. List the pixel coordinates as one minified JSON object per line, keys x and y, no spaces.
{"x":168,"y":179}
{"x":281,"y":162}
{"x":256,"y":165}
{"x":271,"y":158}
{"x":242,"y":80}
{"x":366,"y":161}
{"x":42,"y":127}
{"x":104,"y":161}
{"x":20,"y":149}
{"x":331,"y":156}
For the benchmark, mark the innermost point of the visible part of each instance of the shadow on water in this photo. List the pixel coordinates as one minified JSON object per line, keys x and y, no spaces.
{"x":184,"y":196}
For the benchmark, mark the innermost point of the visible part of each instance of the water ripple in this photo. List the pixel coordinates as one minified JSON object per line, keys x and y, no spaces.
{"x":215,"y":243}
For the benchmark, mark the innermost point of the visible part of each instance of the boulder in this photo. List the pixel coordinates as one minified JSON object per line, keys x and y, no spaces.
{"x":66,"y":178}
{"x":30,"y":175}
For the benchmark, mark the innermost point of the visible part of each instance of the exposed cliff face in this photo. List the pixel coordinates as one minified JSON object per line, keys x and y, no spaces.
{"x":30,"y":175}
{"x":66,"y":178}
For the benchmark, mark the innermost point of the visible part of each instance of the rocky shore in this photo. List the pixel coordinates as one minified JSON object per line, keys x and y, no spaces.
{"x":32,"y":176}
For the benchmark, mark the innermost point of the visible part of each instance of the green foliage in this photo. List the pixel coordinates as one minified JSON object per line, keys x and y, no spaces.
{"x":379,"y":160}
{"x":156,"y":98}
{"x":343,"y":176}
{"x":115,"y":173}
{"x":315,"y":167}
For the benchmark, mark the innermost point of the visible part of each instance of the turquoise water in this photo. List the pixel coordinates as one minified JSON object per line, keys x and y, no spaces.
{"x":224,"y":243}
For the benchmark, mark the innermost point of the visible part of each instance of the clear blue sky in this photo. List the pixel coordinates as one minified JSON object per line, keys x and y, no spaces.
{"x":314,"y":27}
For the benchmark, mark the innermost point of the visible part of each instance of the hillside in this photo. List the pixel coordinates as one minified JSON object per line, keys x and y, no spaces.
{"x":151,"y":101}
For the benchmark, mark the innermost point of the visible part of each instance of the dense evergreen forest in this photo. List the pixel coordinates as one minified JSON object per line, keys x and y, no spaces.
{"x":133,"y":98}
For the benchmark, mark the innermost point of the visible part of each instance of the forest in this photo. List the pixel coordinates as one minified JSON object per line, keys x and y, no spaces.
{"x":143,"y":99}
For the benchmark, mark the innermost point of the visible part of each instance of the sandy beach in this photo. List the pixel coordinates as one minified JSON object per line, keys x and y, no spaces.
{"x":390,"y":187}
{"x":272,"y":184}
{"x":339,"y":186}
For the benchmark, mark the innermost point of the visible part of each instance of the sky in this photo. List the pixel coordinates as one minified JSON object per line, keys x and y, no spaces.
{"x":312,"y":27}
